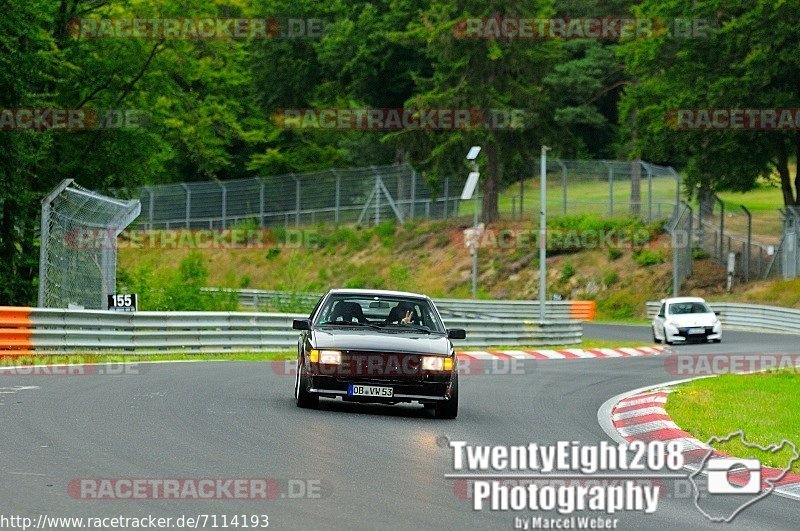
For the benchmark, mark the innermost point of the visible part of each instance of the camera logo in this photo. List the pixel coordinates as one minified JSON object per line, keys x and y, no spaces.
{"x":718,"y":476}
{"x":739,"y":479}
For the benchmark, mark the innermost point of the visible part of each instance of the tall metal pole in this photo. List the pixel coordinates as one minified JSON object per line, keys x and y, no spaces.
{"x":543,"y":232}
{"x":475,"y":247}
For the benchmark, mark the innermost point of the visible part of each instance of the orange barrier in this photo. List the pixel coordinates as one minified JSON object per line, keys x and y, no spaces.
{"x":582,"y":310}
{"x":15,"y":331}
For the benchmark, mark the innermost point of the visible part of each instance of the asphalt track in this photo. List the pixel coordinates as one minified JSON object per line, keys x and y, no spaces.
{"x":378,"y":466}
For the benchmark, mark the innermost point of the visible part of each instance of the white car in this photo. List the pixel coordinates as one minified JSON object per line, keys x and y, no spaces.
{"x":684,"y":319}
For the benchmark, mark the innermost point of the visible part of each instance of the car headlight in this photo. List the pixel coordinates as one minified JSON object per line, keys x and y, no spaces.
{"x":437,"y":363}
{"x":328,"y":357}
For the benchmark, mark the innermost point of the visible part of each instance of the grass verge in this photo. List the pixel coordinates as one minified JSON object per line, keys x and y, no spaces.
{"x":763,"y":405}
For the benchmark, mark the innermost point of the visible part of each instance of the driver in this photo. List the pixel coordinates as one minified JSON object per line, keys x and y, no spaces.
{"x":403,"y":313}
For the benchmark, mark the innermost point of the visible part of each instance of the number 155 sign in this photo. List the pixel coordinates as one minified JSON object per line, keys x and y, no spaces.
{"x":123,"y":303}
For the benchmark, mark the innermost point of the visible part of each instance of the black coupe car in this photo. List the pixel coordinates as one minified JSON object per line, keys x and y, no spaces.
{"x":377,"y":346}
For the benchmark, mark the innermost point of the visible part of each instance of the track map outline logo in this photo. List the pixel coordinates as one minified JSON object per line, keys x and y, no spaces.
{"x":717,"y":470}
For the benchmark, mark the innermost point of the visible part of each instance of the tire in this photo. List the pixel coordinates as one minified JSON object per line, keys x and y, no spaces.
{"x":655,"y":339}
{"x":302,"y":397}
{"x":449,"y":408}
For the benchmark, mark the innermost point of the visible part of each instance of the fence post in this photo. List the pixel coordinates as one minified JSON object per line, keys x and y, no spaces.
{"x":690,"y":257}
{"x":563,"y":184}
{"x":151,"y":207}
{"x":649,"y":191}
{"x":413,"y":192}
{"x":338,"y":196}
{"x":721,"y":227}
{"x":224,"y":205}
{"x":446,"y":194}
{"x":188,"y":203}
{"x":261,"y":203}
{"x":296,"y":200}
{"x":610,"y":187}
{"x":749,"y":241}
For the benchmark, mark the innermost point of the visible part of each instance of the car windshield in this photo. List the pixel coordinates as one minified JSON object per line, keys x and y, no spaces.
{"x":680,"y":308}
{"x":387,"y":313}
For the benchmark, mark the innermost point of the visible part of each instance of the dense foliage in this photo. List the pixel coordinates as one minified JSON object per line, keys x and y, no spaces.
{"x":211,"y":103}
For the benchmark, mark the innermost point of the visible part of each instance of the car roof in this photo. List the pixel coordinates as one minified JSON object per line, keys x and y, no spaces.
{"x":377,"y":292}
{"x":684,"y":299}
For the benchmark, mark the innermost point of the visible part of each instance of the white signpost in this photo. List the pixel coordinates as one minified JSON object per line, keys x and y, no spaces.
{"x":467,"y":193}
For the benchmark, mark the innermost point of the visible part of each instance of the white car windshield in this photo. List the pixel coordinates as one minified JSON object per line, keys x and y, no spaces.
{"x":681,"y":308}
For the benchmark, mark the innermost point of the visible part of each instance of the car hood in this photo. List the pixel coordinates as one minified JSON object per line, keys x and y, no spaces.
{"x":693,"y":319}
{"x":374,"y":341}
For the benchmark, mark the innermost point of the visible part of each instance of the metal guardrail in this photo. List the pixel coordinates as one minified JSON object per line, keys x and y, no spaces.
{"x":253,"y":299}
{"x":43,"y":331}
{"x":749,"y":316}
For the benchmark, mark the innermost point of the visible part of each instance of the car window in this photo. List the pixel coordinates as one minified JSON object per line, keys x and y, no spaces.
{"x":661,"y":310}
{"x":377,"y":310}
{"x":682,"y":308}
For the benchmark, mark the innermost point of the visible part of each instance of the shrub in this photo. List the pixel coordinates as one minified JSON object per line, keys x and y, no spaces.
{"x":611,"y":278}
{"x":567,"y":272}
{"x":614,"y":253}
{"x":177,"y":289}
{"x":646,"y":257}
{"x":698,"y":253}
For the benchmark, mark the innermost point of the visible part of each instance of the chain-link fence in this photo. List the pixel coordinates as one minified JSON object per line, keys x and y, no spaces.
{"x":356,"y":195}
{"x":680,"y":229}
{"x":373,"y":194}
{"x":78,"y":256}
{"x":785,"y":263}
{"x":605,"y":187}
{"x":725,"y":228}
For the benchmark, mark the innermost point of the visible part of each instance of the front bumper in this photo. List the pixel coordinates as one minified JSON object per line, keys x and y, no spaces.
{"x":681,"y":334}
{"x":430,"y":392}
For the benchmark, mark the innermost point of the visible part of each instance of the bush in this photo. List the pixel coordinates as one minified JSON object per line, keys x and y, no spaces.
{"x":567,"y":272}
{"x":611,"y":278}
{"x":646,"y":257}
{"x":177,"y":289}
{"x":614,"y":253}
{"x":698,"y":253}
{"x":385,"y":232}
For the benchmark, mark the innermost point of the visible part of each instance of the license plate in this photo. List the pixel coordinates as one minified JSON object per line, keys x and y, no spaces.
{"x":697,"y":330}
{"x":370,"y":390}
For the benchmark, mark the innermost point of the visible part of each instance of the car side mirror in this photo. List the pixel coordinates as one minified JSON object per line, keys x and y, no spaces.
{"x":456,"y":333}
{"x":717,"y":313}
{"x":301,"y":324}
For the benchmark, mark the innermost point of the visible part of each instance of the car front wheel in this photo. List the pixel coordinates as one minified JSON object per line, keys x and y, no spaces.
{"x":302,"y":397}
{"x":655,"y":339}
{"x":449,"y":408}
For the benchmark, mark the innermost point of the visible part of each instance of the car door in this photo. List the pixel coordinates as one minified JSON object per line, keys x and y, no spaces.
{"x":660,"y":319}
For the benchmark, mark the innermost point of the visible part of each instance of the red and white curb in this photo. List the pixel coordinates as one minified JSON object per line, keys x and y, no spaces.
{"x":565,"y":354}
{"x":640,"y":415}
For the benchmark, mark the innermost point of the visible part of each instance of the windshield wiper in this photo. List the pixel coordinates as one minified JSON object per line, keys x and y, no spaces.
{"x":353,"y":323}
{"x":415,"y":328}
